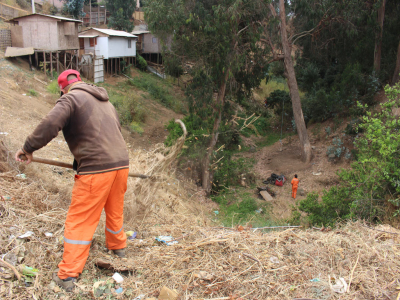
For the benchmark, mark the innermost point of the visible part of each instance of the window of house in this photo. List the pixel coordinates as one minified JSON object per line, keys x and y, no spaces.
{"x":154,"y":40}
{"x":129,"y":43}
{"x":93,"y":42}
{"x":81,"y":44}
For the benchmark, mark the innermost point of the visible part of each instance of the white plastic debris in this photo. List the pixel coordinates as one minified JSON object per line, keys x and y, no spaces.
{"x":26,"y":234}
{"x":4,"y":133}
{"x":48,"y":234}
{"x":118,"y":278}
{"x":340,"y":285}
{"x":274,"y":260}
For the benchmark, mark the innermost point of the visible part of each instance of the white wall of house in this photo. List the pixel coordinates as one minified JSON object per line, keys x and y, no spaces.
{"x":118,"y":47}
{"x":101,"y":49}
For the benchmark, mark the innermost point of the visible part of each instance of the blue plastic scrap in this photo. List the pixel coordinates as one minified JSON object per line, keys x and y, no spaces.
{"x":119,"y":290}
{"x":166,"y":239}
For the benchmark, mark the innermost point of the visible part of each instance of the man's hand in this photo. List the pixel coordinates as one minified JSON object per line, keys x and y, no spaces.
{"x":19,"y":153}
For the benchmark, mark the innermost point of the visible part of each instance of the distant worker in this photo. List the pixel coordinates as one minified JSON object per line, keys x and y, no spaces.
{"x":92,"y":131}
{"x":295,"y":185}
{"x":266,"y":103}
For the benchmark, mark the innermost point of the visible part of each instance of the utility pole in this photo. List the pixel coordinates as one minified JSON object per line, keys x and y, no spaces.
{"x":33,"y":7}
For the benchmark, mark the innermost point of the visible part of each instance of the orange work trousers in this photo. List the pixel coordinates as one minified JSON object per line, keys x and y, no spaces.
{"x":91,"y":193}
{"x":294,"y":191}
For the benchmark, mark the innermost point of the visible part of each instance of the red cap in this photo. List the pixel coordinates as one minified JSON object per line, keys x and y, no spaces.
{"x":63,"y":81}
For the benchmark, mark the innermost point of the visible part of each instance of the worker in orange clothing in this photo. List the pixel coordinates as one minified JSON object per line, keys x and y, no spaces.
{"x":295,"y":185}
{"x":91,"y":128}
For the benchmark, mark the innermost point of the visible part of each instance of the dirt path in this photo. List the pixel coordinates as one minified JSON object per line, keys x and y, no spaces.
{"x":318,"y":175}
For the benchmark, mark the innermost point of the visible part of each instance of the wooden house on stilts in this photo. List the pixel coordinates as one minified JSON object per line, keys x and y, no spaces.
{"x":54,"y":40}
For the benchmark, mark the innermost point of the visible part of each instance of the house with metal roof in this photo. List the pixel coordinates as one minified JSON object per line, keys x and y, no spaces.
{"x":108,"y":43}
{"x":106,"y":49}
{"x":53,"y":38}
{"x":45,"y":32}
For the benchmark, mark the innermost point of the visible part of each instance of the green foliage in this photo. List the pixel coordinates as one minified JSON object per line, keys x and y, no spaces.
{"x":121,"y":14}
{"x":173,"y":66}
{"x":53,"y":87}
{"x":33,"y":93}
{"x":141,"y":63}
{"x":336,"y":148}
{"x":74,"y":8}
{"x":336,"y":63}
{"x":374,"y":178}
{"x":335,"y":205}
{"x":228,"y":173}
{"x":280,"y":100}
{"x":130,"y":108}
{"x":238,"y":207}
{"x":159,"y":90}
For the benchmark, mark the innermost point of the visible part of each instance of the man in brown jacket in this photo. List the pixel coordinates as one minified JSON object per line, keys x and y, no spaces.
{"x":91,"y":127}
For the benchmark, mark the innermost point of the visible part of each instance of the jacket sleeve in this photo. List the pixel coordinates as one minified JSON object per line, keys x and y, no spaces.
{"x":49,"y":127}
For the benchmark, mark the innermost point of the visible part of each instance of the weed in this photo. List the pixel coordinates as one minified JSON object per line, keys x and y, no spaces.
{"x":33,"y":93}
{"x":328,"y":131}
{"x":336,"y":148}
{"x":158,"y":90}
{"x":135,"y":127}
{"x":239,"y":207}
{"x":53,"y":88}
{"x":317,"y":130}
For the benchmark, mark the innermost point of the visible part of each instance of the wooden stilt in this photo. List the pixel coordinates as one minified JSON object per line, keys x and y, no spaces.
{"x":44,"y":62}
{"x":58,"y":58}
{"x":65,"y":60}
{"x":36,"y":59}
{"x":77,"y":60}
{"x":111,"y":66}
{"x":30,"y":62}
{"x":51,"y":64}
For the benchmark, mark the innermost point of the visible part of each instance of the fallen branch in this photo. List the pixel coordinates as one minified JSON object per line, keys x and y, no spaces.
{"x":41,"y":81}
{"x":6,"y":264}
{"x":274,"y":227}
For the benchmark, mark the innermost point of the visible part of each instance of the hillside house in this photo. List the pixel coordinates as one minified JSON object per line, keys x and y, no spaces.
{"x":109,"y":48}
{"x":53,"y":38}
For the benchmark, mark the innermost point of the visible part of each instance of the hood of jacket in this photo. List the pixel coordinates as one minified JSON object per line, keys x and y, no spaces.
{"x":97,"y":92}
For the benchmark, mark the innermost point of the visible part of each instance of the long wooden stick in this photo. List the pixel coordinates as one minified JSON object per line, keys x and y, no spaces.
{"x":69,"y":166}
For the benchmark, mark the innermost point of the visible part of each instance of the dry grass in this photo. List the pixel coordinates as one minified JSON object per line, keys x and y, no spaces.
{"x":207,"y":262}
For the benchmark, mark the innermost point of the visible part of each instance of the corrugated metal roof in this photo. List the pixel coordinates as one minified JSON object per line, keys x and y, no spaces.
{"x":54,"y":17}
{"x":112,"y":32}
{"x":88,"y":36}
{"x":140,"y":31}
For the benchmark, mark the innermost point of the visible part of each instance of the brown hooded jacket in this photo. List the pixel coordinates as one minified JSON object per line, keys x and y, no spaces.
{"x":91,"y":127}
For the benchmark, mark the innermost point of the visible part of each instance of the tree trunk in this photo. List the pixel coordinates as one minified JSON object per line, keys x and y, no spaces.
{"x":293,"y":88}
{"x":378,"y":38}
{"x":207,"y":173}
{"x":396,"y":77}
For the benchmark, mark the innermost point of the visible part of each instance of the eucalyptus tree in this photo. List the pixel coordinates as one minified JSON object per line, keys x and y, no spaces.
{"x":121,"y":14}
{"x":221,"y":37}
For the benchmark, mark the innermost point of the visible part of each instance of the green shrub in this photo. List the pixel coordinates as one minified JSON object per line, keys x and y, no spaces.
{"x":141,"y":63}
{"x":374,"y":178}
{"x":335,"y":205}
{"x":240,"y":207}
{"x":130,"y":108}
{"x":53,"y":87}
{"x":33,"y":93}
{"x":159,"y":91}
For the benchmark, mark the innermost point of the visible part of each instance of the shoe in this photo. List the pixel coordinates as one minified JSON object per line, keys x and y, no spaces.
{"x":67,"y":284}
{"x":119,"y":252}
